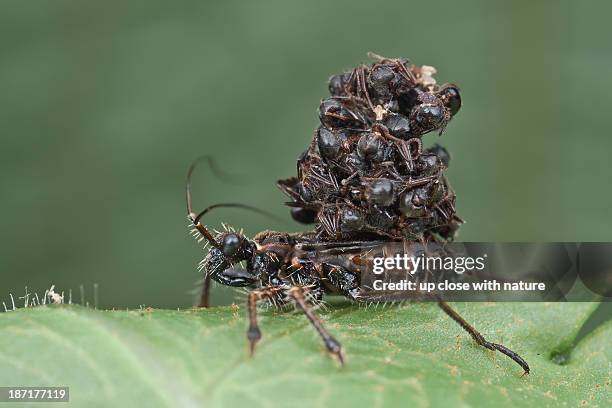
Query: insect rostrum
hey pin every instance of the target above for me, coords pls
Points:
(365, 179)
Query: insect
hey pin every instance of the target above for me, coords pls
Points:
(299, 269)
(365, 179)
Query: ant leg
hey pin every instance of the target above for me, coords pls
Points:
(253, 332)
(364, 86)
(205, 292)
(479, 338)
(297, 293)
(290, 187)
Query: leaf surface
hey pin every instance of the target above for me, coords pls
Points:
(396, 356)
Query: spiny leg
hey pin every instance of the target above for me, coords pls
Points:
(298, 294)
(479, 338)
(205, 292)
(253, 332)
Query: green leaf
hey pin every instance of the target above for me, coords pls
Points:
(411, 355)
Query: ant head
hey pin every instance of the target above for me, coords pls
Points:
(429, 113)
(449, 94)
(338, 83)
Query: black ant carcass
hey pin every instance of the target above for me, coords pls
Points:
(365, 180)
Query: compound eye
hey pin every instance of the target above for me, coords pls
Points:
(230, 244)
(452, 99)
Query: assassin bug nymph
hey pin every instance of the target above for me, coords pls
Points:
(283, 269)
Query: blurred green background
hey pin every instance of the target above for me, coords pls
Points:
(104, 105)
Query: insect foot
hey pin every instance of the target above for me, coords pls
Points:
(297, 294)
(479, 338)
(253, 335)
(334, 348)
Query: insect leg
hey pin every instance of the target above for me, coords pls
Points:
(253, 332)
(479, 338)
(363, 85)
(205, 292)
(290, 187)
(217, 267)
(344, 280)
(297, 293)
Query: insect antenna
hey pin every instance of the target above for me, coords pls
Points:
(196, 217)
